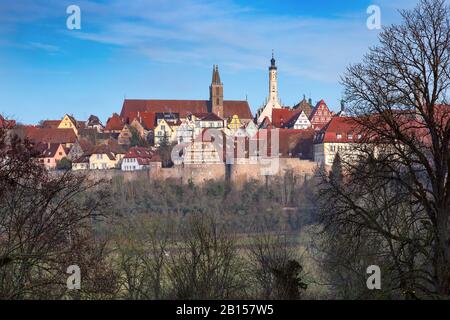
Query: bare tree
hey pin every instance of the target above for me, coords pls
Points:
(142, 248)
(274, 267)
(397, 183)
(45, 225)
(204, 263)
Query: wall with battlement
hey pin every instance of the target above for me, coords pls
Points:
(199, 173)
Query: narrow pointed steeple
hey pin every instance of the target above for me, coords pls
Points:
(216, 76)
(216, 93)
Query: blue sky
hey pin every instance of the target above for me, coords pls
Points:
(165, 49)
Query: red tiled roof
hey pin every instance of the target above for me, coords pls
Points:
(147, 119)
(291, 143)
(185, 107)
(296, 143)
(239, 108)
(51, 124)
(50, 135)
(50, 151)
(85, 145)
(114, 123)
(348, 129)
(143, 155)
(291, 122)
(139, 152)
(339, 130)
(281, 117)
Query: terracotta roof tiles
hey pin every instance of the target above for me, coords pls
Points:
(50, 135)
(185, 107)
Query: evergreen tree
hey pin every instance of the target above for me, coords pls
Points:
(64, 164)
(336, 175)
(165, 150)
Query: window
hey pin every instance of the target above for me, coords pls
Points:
(350, 136)
(338, 136)
(359, 136)
(60, 153)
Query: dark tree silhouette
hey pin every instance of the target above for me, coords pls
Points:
(397, 184)
(45, 226)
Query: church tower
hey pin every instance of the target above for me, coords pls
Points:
(273, 82)
(216, 93)
(273, 101)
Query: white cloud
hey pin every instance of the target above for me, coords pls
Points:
(46, 47)
(202, 32)
(220, 31)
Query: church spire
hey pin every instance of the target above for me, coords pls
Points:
(215, 76)
(216, 93)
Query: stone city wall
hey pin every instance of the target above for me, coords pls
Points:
(199, 173)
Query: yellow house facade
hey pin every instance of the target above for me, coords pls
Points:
(235, 123)
(103, 161)
(165, 129)
(326, 152)
(68, 122)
